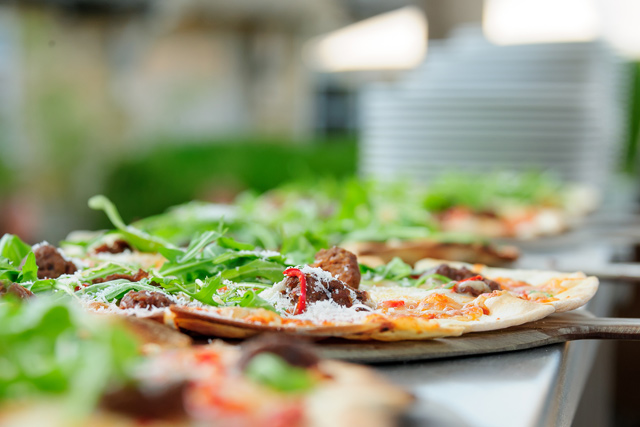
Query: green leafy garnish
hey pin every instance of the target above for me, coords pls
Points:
(29, 272)
(137, 238)
(274, 372)
(53, 348)
(13, 249)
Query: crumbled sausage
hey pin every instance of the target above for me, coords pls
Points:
(15, 289)
(462, 273)
(141, 403)
(319, 290)
(342, 265)
(116, 247)
(144, 299)
(472, 287)
(51, 263)
(141, 274)
(294, 351)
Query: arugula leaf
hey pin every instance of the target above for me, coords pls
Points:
(14, 249)
(53, 348)
(209, 290)
(8, 271)
(257, 268)
(440, 278)
(274, 372)
(228, 242)
(115, 289)
(137, 238)
(104, 270)
(396, 269)
(197, 245)
(29, 272)
(251, 299)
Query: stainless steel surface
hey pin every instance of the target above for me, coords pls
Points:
(501, 390)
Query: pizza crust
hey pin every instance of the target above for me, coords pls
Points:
(411, 251)
(504, 310)
(357, 396)
(230, 322)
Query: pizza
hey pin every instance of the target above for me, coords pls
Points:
(437, 299)
(219, 287)
(105, 378)
(507, 205)
(371, 219)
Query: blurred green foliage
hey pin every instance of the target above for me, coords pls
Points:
(176, 173)
(6, 178)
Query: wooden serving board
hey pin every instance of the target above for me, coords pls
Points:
(554, 329)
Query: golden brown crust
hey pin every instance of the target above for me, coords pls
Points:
(412, 251)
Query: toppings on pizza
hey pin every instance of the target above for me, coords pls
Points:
(301, 305)
(342, 265)
(116, 247)
(161, 402)
(108, 379)
(51, 263)
(320, 285)
(294, 352)
(144, 299)
(218, 286)
(474, 286)
(138, 276)
(468, 281)
(14, 289)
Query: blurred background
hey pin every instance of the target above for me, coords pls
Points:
(158, 102)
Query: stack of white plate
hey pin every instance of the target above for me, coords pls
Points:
(473, 106)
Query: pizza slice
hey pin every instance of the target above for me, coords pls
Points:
(507, 205)
(90, 371)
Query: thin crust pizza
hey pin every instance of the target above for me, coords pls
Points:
(91, 371)
(219, 287)
(454, 298)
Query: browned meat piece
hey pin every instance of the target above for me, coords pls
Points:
(141, 274)
(321, 290)
(51, 264)
(144, 299)
(341, 263)
(475, 289)
(160, 403)
(294, 351)
(15, 289)
(459, 274)
(116, 247)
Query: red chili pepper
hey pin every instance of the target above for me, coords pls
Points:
(478, 277)
(302, 301)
